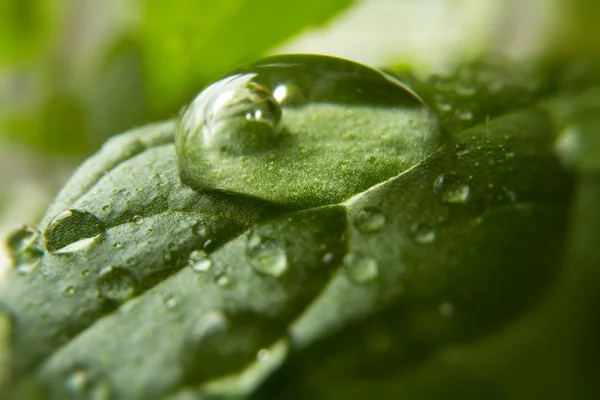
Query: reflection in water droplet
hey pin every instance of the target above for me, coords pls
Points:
(450, 188)
(361, 268)
(199, 261)
(369, 220)
(423, 233)
(72, 230)
(116, 284)
(446, 309)
(137, 219)
(266, 256)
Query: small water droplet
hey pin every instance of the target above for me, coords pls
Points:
(223, 280)
(117, 245)
(78, 381)
(327, 258)
(361, 268)
(105, 207)
(369, 220)
(137, 219)
(462, 149)
(464, 91)
(444, 107)
(211, 323)
(200, 229)
(199, 261)
(465, 115)
(263, 355)
(70, 290)
(423, 233)
(446, 309)
(72, 230)
(266, 256)
(450, 188)
(23, 250)
(169, 301)
(116, 284)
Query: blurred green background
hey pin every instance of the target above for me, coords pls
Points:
(75, 72)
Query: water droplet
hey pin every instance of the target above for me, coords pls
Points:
(283, 106)
(72, 230)
(369, 220)
(423, 233)
(137, 219)
(78, 381)
(211, 323)
(200, 229)
(462, 149)
(116, 284)
(446, 309)
(361, 268)
(266, 256)
(223, 280)
(170, 301)
(450, 188)
(70, 290)
(263, 355)
(444, 107)
(117, 245)
(464, 91)
(23, 250)
(464, 115)
(327, 258)
(199, 261)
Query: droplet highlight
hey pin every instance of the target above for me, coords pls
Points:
(423, 233)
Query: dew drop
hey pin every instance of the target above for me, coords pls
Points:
(77, 381)
(169, 301)
(327, 258)
(116, 284)
(137, 219)
(423, 233)
(450, 188)
(211, 323)
(263, 355)
(464, 115)
(361, 268)
(223, 280)
(23, 250)
(199, 261)
(72, 230)
(266, 256)
(369, 220)
(446, 309)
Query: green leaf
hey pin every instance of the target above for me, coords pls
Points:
(134, 285)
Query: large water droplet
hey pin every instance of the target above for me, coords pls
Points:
(369, 220)
(295, 109)
(361, 268)
(72, 230)
(450, 188)
(266, 256)
(116, 284)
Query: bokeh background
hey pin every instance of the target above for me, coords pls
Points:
(75, 72)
